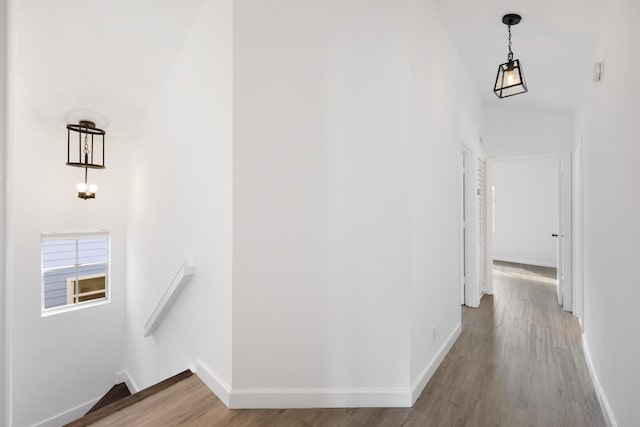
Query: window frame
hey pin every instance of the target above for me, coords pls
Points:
(75, 235)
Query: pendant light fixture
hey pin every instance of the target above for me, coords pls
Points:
(89, 153)
(510, 80)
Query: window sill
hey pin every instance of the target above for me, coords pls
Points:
(74, 307)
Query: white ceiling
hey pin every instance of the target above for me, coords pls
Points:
(555, 42)
(107, 60)
(102, 60)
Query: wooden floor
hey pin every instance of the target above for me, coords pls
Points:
(518, 362)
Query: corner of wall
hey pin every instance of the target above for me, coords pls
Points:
(125, 377)
(418, 385)
(216, 384)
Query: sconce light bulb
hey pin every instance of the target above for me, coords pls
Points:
(82, 187)
(93, 188)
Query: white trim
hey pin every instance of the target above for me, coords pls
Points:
(470, 243)
(8, 102)
(75, 235)
(525, 262)
(74, 307)
(602, 397)
(425, 376)
(68, 415)
(365, 397)
(281, 398)
(554, 155)
(169, 297)
(125, 377)
(489, 229)
(216, 384)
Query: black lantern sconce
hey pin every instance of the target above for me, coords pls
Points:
(89, 153)
(510, 80)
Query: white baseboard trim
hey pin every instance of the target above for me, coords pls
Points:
(68, 415)
(602, 397)
(125, 377)
(365, 397)
(280, 398)
(526, 262)
(423, 379)
(216, 384)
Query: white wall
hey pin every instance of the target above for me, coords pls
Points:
(179, 208)
(346, 196)
(509, 132)
(609, 123)
(4, 383)
(321, 226)
(445, 114)
(67, 359)
(526, 211)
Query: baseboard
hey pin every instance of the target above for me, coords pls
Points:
(125, 377)
(423, 379)
(216, 384)
(68, 416)
(280, 398)
(602, 397)
(525, 262)
(366, 397)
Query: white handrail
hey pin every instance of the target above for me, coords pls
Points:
(170, 295)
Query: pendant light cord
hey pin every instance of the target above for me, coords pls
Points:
(510, 56)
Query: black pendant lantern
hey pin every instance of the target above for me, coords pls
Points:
(88, 154)
(510, 80)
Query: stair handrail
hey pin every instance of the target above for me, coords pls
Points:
(169, 297)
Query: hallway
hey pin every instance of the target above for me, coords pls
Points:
(518, 362)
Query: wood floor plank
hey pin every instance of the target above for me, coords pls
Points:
(518, 362)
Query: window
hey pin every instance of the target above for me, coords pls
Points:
(75, 269)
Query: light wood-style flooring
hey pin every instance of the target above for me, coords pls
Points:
(518, 362)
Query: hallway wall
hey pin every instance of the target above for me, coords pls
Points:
(526, 211)
(347, 142)
(445, 113)
(321, 235)
(608, 122)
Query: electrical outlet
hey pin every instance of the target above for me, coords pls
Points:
(434, 334)
(598, 70)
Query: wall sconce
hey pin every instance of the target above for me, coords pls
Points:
(89, 153)
(510, 79)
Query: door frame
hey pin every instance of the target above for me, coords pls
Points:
(565, 231)
(578, 232)
(471, 283)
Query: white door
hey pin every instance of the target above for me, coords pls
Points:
(559, 235)
(463, 235)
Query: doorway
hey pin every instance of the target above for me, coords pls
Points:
(531, 216)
